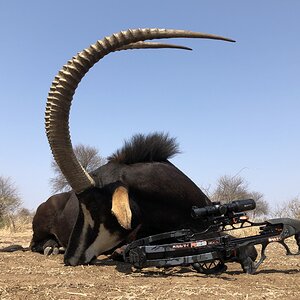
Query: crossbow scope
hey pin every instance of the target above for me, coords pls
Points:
(218, 209)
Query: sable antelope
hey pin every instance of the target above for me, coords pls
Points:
(138, 192)
(55, 218)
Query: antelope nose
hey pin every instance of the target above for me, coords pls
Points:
(71, 261)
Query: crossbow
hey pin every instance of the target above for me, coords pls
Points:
(208, 251)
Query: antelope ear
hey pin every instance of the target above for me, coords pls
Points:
(121, 208)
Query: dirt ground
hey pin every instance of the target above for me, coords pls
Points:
(26, 275)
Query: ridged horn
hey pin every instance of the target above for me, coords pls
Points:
(66, 81)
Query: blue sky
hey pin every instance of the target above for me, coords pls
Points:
(231, 106)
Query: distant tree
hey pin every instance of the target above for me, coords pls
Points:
(290, 209)
(23, 217)
(294, 207)
(24, 213)
(262, 206)
(89, 158)
(207, 190)
(230, 188)
(10, 200)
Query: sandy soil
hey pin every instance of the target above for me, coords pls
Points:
(26, 275)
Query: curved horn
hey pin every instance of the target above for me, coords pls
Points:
(65, 83)
(152, 45)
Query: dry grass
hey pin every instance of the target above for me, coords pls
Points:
(245, 231)
(26, 275)
(16, 224)
(9, 236)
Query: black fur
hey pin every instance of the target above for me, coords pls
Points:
(54, 221)
(55, 218)
(146, 148)
(161, 197)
